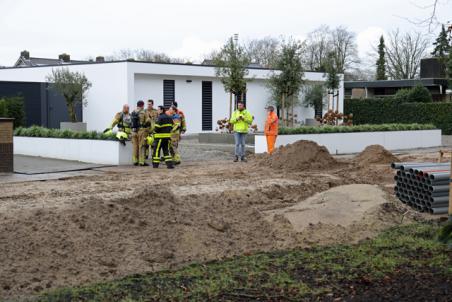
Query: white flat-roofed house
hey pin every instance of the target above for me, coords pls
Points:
(197, 90)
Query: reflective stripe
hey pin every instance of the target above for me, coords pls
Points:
(162, 135)
(164, 125)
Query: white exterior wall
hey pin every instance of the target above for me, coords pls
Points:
(114, 84)
(106, 96)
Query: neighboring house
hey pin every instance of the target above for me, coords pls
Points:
(26, 61)
(431, 76)
(198, 91)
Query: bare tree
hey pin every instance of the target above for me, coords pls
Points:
(323, 42)
(263, 51)
(431, 20)
(143, 55)
(404, 53)
(345, 50)
(318, 46)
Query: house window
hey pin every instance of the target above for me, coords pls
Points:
(169, 95)
(207, 106)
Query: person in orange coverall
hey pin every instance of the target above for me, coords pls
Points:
(271, 129)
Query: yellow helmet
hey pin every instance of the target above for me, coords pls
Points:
(121, 135)
(150, 140)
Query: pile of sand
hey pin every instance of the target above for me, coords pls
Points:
(300, 155)
(375, 154)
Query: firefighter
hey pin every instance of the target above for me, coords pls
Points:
(153, 114)
(140, 123)
(162, 139)
(175, 136)
(177, 133)
(182, 117)
(123, 121)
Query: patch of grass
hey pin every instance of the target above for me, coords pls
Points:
(284, 275)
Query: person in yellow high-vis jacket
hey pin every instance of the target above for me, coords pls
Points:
(241, 120)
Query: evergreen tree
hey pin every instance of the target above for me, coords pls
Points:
(441, 44)
(381, 62)
(449, 69)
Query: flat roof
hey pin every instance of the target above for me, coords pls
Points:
(135, 61)
(394, 83)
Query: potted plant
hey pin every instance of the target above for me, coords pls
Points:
(73, 86)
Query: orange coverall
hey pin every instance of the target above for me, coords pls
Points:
(271, 131)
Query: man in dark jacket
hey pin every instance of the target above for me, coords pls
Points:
(162, 139)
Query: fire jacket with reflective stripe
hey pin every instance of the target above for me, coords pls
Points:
(163, 126)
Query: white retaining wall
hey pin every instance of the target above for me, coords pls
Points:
(343, 143)
(84, 150)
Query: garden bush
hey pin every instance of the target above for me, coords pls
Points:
(355, 128)
(387, 110)
(13, 107)
(37, 131)
(417, 94)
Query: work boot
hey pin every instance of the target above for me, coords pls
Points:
(236, 159)
(170, 165)
(144, 164)
(243, 159)
(135, 164)
(155, 165)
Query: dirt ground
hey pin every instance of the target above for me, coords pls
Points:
(129, 220)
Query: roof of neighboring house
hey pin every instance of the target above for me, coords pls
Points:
(31, 62)
(394, 83)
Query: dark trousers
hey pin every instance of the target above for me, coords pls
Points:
(162, 144)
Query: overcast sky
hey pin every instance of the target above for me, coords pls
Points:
(188, 28)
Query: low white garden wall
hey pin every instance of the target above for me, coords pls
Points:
(84, 150)
(343, 143)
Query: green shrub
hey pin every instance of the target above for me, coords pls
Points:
(402, 95)
(388, 111)
(3, 112)
(419, 94)
(355, 128)
(13, 107)
(37, 131)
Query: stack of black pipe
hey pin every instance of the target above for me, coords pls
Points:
(423, 186)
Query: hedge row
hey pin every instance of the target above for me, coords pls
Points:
(36, 131)
(13, 107)
(355, 128)
(387, 110)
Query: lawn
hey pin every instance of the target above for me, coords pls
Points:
(405, 263)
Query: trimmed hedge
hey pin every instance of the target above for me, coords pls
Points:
(13, 107)
(37, 131)
(383, 111)
(355, 128)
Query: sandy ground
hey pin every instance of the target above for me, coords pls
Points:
(127, 220)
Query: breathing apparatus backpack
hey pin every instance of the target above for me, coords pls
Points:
(135, 121)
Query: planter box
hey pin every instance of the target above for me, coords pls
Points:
(223, 138)
(80, 127)
(354, 142)
(91, 151)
